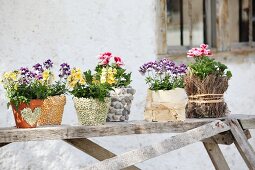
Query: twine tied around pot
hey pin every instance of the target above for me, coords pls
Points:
(206, 98)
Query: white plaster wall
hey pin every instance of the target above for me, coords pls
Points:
(76, 31)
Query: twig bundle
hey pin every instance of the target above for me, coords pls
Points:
(206, 96)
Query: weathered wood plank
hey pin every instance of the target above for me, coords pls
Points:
(94, 150)
(247, 121)
(242, 143)
(250, 22)
(161, 27)
(13, 134)
(226, 138)
(222, 26)
(167, 145)
(215, 154)
(109, 129)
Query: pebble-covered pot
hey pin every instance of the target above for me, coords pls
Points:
(121, 101)
(91, 111)
(52, 110)
(27, 115)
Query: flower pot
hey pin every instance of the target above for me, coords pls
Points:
(165, 105)
(121, 101)
(52, 110)
(27, 115)
(91, 111)
(206, 96)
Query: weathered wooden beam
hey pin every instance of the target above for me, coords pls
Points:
(8, 135)
(246, 121)
(94, 150)
(109, 129)
(215, 154)
(161, 27)
(190, 18)
(242, 143)
(167, 145)
(250, 22)
(222, 25)
(226, 138)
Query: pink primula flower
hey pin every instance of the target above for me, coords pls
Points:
(105, 58)
(118, 61)
(199, 52)
(204, 46)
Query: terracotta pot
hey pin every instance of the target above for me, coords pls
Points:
(90, 111)
(26, 115)
(52, 110)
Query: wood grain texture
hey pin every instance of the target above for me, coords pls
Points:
(94, 150)
(161, 27)
(215, 154)
(242, 143)
(226, 138)
(167, 145)
(13, 134)
(222, 25)
(121, 128)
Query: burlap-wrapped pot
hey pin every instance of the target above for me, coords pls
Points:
(121, 101)
(52, 110)
(91, 111)
(165, 105)
(206, 96)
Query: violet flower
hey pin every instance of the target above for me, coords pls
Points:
(48, 64)
(38, 67)
(65, 70)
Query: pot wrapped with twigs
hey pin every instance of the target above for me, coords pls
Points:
(205, 84)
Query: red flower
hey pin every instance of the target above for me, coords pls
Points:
(118, 61)
(105, 58)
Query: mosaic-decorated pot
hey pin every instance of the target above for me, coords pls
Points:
(52, 110)
(91, 111)
(121, 101)
(27, 115)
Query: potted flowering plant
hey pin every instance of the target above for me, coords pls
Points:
(53, 106)
(205, 84)
(113, 73)
(91, 96)
(26, 91)
(166, 98)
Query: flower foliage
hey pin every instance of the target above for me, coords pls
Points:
(204, 65)
(111, 71)
(25, 84)
(86, 84)
(163, 74)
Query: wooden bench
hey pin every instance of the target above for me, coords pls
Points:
(232, 129)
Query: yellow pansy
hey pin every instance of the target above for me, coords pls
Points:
(46, 75)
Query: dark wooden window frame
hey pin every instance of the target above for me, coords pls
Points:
(217, 34)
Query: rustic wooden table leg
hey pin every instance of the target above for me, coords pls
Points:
(215, 154)
(94, 150)
(242, 143)
(148, 152)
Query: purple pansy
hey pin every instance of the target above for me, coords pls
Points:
(38, 67)
(65, 70)
(48, 64)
